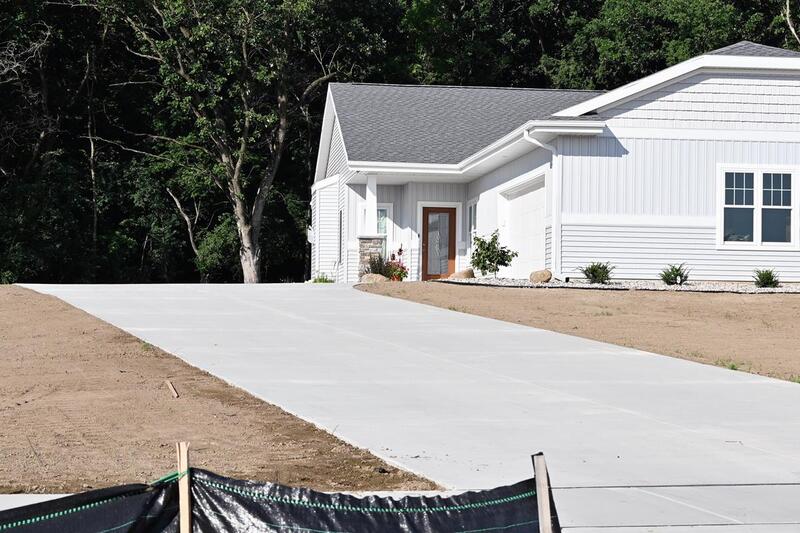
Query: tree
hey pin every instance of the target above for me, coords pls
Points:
(787, 11)
(234, 75)
(488, 255)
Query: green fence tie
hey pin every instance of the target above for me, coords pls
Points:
(169, 478)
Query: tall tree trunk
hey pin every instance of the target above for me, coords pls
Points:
(249, 255)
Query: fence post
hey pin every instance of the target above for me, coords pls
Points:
(542, 492)
(184, 494)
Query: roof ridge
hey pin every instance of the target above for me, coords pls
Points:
(744, 44)
(434, 86)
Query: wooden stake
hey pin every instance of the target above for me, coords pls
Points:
(172, 388)
(184, 495)
(542, 493)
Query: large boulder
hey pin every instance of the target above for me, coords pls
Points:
(541, 276)
(463, 274)
(373, 278)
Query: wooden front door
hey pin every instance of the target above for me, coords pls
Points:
(438, 242)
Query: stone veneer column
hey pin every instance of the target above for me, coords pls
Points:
(368, 247)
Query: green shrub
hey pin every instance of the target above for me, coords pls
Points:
(766, 279)
(378, 265)
(7, 277)
(675, 274)
(488, 255)
(597, 272)
(322, 278)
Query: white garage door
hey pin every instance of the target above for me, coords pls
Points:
(525, 229)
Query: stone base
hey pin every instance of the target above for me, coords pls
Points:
(368, 247)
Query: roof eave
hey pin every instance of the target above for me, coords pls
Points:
(485, 155)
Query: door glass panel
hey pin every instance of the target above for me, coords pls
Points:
(438, 242)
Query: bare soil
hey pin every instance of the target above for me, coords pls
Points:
(85, 405)
(757, 333)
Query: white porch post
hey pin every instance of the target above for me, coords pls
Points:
(371, 221)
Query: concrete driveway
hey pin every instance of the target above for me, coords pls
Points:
(465, 400)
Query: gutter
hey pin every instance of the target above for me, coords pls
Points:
(555, 179)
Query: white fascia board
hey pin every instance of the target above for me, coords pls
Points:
(327, 182)
(575, 127)
(325, 137)
(674, 72)
(569, 127)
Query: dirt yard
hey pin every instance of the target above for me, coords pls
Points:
(85, 405)
(757, 333)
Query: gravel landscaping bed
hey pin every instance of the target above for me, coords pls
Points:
(641, 285)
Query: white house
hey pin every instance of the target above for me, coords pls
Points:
(698, 163)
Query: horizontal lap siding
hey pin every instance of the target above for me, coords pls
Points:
(326, 229)
(642, 252)
(715, 100)
(337, 156)
(548, 247)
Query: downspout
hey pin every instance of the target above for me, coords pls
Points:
(555, 171)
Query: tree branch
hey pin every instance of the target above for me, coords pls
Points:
(188, 220)
(789, 22)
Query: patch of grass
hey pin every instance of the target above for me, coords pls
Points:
(730, 364)
(766, 279)
(604, 312)
(675, 274)
(322, 278)
(794, 379)
(147, 346)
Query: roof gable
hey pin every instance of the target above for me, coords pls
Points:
(436, 124)
(742, 56)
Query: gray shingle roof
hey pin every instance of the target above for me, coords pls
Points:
(435, 123)
(747, 48)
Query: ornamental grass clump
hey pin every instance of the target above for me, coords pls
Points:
(675, 274)
(766, 279)
(597, 272)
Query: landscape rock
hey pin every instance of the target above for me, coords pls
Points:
(373, 278)
(541, 276)
(463, 274)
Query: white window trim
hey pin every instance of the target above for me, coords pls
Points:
(391, 226)
(758, 197)
(469, 234)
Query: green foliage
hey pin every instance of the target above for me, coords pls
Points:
(57, 224)
(488, 255)
(597, 272)
(397, 271)
(675, 274)
(766, 279)
(218, 252)
(322, 278)
(631, 39)
(377, 265)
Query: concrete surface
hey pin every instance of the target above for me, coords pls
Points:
(10, 501)
(465, 400)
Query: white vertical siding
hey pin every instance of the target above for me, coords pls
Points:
(718, 101)
(655, 177)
